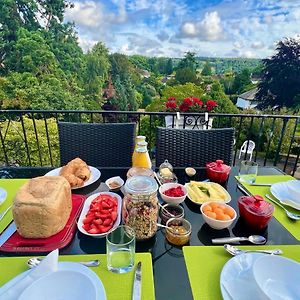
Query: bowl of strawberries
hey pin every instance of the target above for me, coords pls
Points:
(101, 214)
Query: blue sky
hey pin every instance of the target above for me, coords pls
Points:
(215, 28)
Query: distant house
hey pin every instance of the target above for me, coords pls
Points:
(167, 78)
(208, 88)
(145, 74)
(255, 79)
(247, 100)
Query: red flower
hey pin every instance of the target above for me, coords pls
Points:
(210, 105)
(188, 101)
(171, 104)
(190, 104)
(184, 107)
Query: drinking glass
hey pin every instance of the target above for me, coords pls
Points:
(120, 249)
(248, 171)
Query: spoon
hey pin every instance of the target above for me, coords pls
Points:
(166, 210)
(175, 230)
(254, 239)
(236, 251)
(34, 262)
(156, 177)
(288, 213)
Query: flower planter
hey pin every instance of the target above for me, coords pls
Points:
(191, 122)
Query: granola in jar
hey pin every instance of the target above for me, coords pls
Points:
(140, 208)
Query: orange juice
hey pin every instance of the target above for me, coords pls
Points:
(141, 156)
(139, 138)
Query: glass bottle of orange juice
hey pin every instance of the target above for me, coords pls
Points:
(141, 157)
(139, 138)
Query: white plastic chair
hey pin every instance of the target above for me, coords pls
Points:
(249, 147)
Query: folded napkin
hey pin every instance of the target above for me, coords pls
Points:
(13, 291)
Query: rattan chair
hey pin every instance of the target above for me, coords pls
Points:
(186, 147)
(99, 145)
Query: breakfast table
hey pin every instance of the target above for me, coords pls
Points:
(189, 272)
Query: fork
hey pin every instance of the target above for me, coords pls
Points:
(5, 212)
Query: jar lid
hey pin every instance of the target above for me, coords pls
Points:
(166, 165)
(141, 185)
(256, 205)
(218, 166)
(139, 171)
(141, 137)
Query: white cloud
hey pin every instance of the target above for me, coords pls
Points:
(89, 14)
(208, 29)
(257, 45)
(170, 28)
(163, 36)
(211, 28)
(238, 45)
(189, 29)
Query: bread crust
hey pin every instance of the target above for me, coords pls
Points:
(42, 206)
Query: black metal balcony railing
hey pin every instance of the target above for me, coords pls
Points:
(30, 138)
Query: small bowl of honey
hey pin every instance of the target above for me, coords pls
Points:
(179, 231)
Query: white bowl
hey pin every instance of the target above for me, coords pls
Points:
(86, 208)
(277, 277)
(3, 195)
(67, 285)
(217, 224)
(170, 185)
(116, 179)
(294, 189)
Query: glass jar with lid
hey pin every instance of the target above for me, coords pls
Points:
(140, 208)
(165, 173)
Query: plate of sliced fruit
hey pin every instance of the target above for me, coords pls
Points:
(101, 214)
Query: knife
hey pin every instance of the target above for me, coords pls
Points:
(7, 233)
(261, 184)
(137, 288)
(243, 190)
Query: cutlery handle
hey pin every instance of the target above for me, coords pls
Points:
(274, 251)
(5, 212)
(229, 240)
(89, 263)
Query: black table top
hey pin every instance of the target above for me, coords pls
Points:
(170, 275)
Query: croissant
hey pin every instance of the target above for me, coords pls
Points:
(76, 172)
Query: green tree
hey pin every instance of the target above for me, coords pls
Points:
(32, 54)
(28, 14)
(169, 67)
(26, 91)
(16, 147)
(125, 96)
(280, 83)
(62, 41)
(185, 75)
(241, 80)
(96, 73)
(225, 105)
(206, 71)
(189, 61)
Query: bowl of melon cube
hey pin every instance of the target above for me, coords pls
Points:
(218, 215)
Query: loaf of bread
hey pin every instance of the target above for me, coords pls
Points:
(42, 206)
